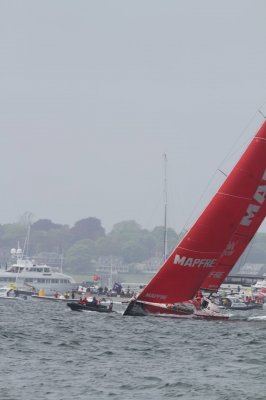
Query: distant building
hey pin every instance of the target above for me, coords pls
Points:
(150, 266)
(252, 269)
(111, 265)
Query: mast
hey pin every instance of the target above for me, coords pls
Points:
(26, 243)
(110, 283)
(61, 263)
(165, 209)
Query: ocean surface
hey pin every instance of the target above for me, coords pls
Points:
(48, 352)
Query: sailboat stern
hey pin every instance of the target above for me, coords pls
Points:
(135, 309)
(139, 308)
(208, 310)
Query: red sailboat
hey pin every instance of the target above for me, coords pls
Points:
(212, 246)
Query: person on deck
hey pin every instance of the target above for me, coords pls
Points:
(94, 301)
(198, 299)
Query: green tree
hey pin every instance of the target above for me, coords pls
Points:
(52, 240)
(45, 225)
(172, 240)
(79, 257)
(88, 228)
(12, 234)
(127, 226)
(109, 245)
(132, 243)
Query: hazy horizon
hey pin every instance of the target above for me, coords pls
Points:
(94, 93)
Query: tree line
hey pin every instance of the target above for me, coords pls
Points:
(83, 244)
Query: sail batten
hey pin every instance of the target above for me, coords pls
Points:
(231, 195)
(209, 250)
(196, 251)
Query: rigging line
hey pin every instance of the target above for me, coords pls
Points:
(199, 200)
(235, 144)
(261, 107)
(165, 208)
(222, 162)
(264, 116)
(222, 172)
(242, 260)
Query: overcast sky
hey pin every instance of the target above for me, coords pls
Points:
(92, 93)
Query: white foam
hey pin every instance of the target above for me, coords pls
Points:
(258, 318)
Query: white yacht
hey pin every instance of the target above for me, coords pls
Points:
(25, 273)
(260, 284)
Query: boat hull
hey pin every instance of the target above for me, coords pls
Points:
(12, 298)
(137, 309)
(89, 307)
(244, 308)
(52, 298)
(7, 293)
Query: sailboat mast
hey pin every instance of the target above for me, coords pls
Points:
(165, 208)
(25, 251)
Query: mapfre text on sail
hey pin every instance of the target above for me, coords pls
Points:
(194, 262)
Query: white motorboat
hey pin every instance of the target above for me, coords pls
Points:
(261, 284)
(25, 273)
(8, 293)
(234, 303)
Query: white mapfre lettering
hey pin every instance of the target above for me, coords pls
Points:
(253, 209)
(216, 274)
(156, 296)
(230, 249)
(194, 262)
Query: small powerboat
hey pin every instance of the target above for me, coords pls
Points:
(91, 306)
(233, 303)
(7, 293)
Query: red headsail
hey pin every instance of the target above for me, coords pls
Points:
(212, 246)
(255, 171)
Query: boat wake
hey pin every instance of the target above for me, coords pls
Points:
(257, 318)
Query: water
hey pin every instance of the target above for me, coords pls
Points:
(48, 352)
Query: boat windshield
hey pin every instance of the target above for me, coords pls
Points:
(15, 269)
(234, 300)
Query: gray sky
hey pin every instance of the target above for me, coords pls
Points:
(92, 93)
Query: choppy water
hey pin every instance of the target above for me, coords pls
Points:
(48, 352)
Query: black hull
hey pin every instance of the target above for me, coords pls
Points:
(135, 309)
(248, 307)
(139, 309)
(19, 292)
(89, 307)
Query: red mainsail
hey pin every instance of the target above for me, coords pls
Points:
(215, 242)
